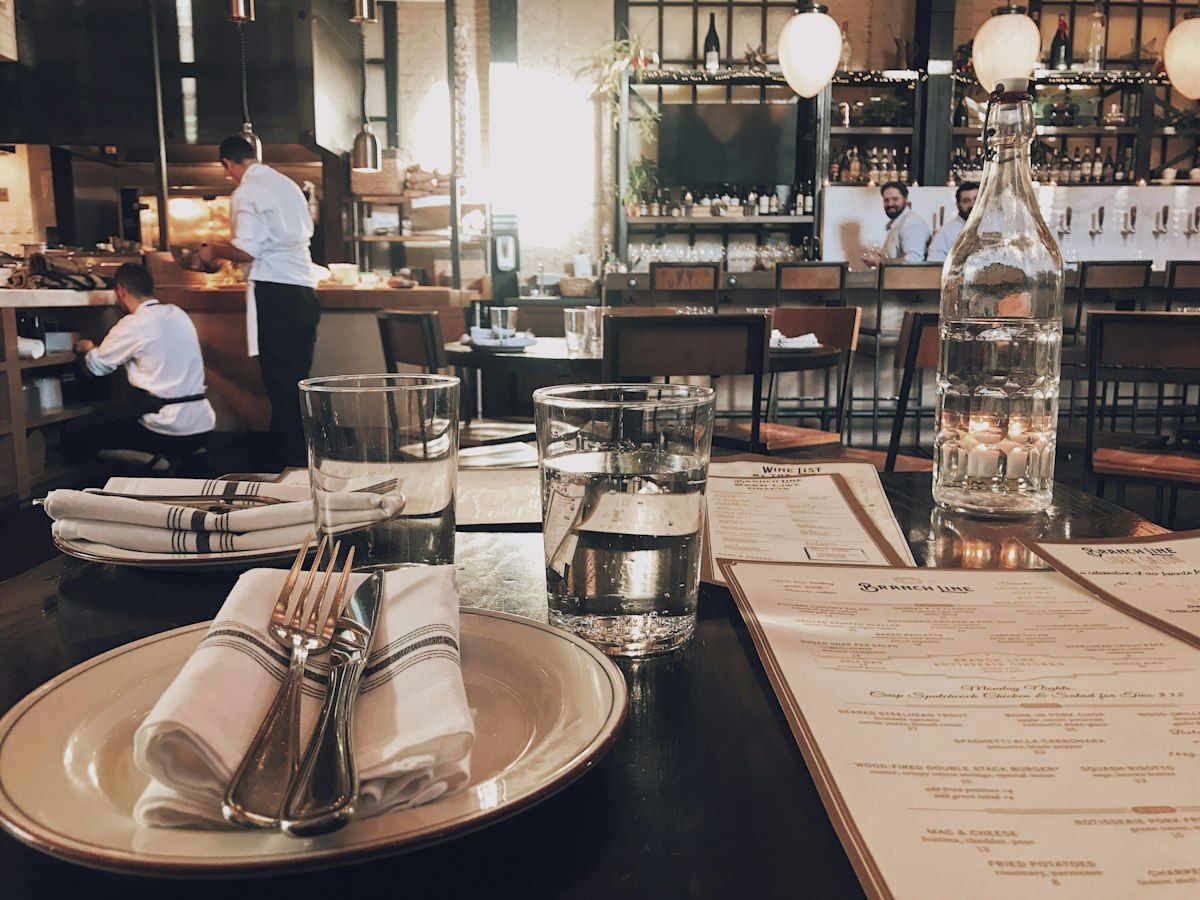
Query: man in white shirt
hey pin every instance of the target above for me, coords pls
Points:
(907, 233)
(272, 228)
(964, 199)
(157, 346)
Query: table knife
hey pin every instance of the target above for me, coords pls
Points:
(324, 793)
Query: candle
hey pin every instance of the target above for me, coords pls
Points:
(983, 462)
(983, 458)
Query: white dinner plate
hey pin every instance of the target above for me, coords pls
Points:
(547, 706)
(230, 561)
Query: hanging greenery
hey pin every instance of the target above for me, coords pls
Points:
(643, 180)
(606, 68)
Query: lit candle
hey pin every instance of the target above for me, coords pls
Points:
(983, 459)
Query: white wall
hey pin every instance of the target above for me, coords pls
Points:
(854, 219)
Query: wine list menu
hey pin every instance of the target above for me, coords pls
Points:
(985, 733)
(1155, 577)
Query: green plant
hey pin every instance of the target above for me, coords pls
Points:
(606, 68)
(643, 180)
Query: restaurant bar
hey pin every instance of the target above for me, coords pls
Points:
(637, 448)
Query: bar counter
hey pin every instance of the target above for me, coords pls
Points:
(347, 338)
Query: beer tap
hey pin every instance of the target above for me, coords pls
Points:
(1097, 228)
(1064, 223)
(1193, 226)
(1130, 222)
(1160, 221)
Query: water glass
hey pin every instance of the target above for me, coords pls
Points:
(383, 462)
(582, 327)
(504, 321)
(623, 471)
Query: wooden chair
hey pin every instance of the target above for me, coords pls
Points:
(1140, 347)
(685, 284)
(837, 331)
(812, 283)
(918, 280)
(642, 347)
(1183, 283)
(418, 338)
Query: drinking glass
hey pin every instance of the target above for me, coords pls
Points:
(623, 470)
(382, 460)
(582, 327)
(504, 321)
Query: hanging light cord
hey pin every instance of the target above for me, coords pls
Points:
(242, 48)
(362, 38)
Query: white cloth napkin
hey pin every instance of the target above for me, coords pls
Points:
(412, 726)
(800, 342)
(158, 527)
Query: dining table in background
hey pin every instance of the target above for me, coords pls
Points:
(704, 793)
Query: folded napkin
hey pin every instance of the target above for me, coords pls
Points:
(486, 337)
(158, 527)
(800, 342)
(412, 726)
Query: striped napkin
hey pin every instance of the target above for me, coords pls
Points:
(151, 526)
(412, 726)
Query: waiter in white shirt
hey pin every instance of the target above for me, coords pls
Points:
(272, 228)
(157, 345)
(907, 233)
(964, 199)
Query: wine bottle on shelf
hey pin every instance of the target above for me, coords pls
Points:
(894, 168)
(1119, 170)
(809, 199)
(805, 249)
(904, 166)
(772, 204)
(1097, 168)
(1097, 37)
(1107, 170)
(1130, 174)
(1085, 172)
(655, 208)
(1077, 168)
(1060, 46)
(816, 248)
(835, 170)
(1055, 173)
(873, 168)
(764, 201)
(854, 170)
(712, 46)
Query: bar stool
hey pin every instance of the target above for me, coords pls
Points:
(685, 284)
(813, 283)
(915, 279)
(416, 338)
(644, 347)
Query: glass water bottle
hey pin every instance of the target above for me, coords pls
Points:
(1001, 336)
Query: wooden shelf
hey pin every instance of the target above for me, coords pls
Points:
(50, 359)
(74, 411)
(882, 130)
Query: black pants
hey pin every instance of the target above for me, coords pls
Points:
(127, 434)
(287, 332)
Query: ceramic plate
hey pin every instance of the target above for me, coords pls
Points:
(547, 706)
(233, 561)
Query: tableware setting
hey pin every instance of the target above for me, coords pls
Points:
(170, 523)
(489, 339)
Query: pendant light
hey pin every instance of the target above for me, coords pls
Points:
(241, 12)
(1181, 56)
(810, 48)
(366, 155)
(1006, 48)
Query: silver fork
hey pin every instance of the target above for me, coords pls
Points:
(259, 786)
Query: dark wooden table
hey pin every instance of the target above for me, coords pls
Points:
(704, 794)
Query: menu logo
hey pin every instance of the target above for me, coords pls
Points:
(1165, 552)
(869, 588)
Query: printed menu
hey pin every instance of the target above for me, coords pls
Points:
(802, 518)
(985, 733)
(1156, 577)
(863, 479)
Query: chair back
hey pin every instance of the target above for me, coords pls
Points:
(1120, 282)
(684, 283)
(895, 276)
(835, 327)
(411, 338)
(1138, 347)
(824, 282)
(1182, 275)
(916, 349)
(637, 347)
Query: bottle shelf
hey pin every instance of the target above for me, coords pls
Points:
(652, 222)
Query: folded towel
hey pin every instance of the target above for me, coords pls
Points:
(412, 726)
(206, 487)
(800, 342)
(168, 540)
